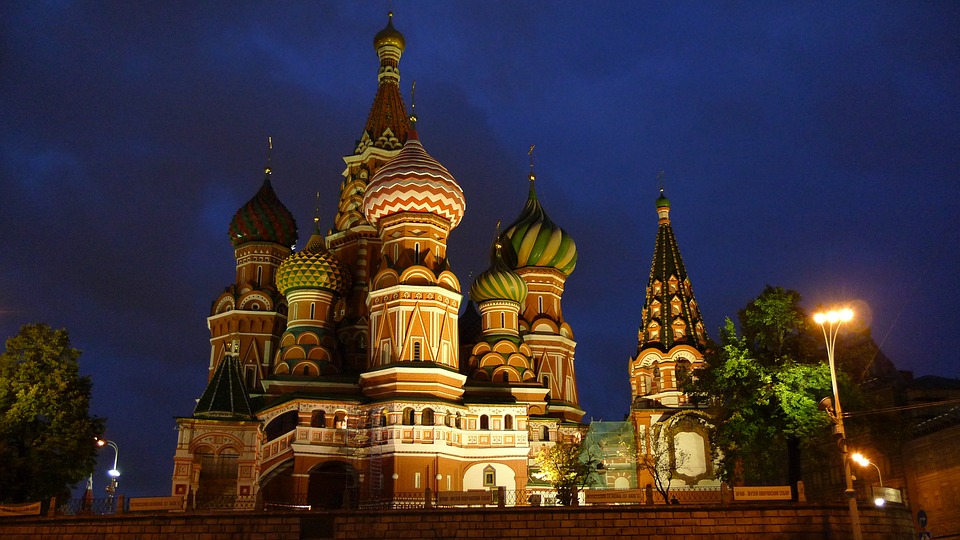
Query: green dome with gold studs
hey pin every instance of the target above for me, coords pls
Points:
(313, 267)
(538, 241)
(498, 282)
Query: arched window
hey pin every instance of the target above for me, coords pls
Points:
(545, 433)
(416, 253)
(508, 422)
(459, 422)
(340, 420)
(408, 416)
(383, 418)
(484, 422)
(546, 384)
(313, 310)
(655, 385)
(426, 417)
(416, 351)
(505, 377)
(318, 418)
(259, 275)
(503, 321)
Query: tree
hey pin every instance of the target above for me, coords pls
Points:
(47, 437)
(660, 458)
(568, 468)
(763, 388)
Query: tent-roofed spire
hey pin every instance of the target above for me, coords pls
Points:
(225, 396)
(671, 315)
(387, 125)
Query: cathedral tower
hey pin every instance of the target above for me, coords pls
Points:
(414, 203)
(353, 240)
(543, 254)
(671, 343)
(252, 310)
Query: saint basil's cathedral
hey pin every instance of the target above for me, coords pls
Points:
(355, 370)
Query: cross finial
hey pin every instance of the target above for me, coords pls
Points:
(316, 215)
(660, 180)
(497, 243)
(413, 103)
(530, 153)
(268, 169)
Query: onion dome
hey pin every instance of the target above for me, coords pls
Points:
(413, 182)
(389, 36)
(538, 241)
(263, 219)
(498, 282)
(313, 267)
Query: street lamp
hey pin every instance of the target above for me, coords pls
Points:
(863, 462)
(113, 473)
(830, 323)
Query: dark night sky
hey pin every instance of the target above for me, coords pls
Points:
(811, 145)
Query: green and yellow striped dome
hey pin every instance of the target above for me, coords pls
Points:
(538, 241)
(498, 282)
(313, 267)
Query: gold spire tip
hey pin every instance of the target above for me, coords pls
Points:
(530, 153)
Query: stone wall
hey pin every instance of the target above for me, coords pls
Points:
(585, 523)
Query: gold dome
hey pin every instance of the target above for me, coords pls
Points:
(389, 36)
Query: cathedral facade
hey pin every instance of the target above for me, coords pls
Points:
(355, 369)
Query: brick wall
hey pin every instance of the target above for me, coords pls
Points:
(587, 523)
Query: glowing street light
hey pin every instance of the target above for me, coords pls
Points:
(863, 462)
(113, 473)
(830, 322)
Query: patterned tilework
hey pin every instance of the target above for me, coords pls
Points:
(538, 241)
(313, 267)
(263, 219)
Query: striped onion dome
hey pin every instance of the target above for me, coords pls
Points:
(498, 282)
(313, 267)
(263, 219)
(413, 182)
(538, 241)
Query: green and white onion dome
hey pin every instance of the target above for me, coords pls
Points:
(538, 241)
(498, 282)
(313, 267)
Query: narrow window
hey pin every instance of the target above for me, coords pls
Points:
(426, 417)
(313, 310)
(489, 476)
(505, 377)
(251, 376)
(259, 275)
(416, 351)
(459, 422)
(503, 321)
(416, 480)
(306, 370)
(508, 422)
(416, 253)
(540, 304)
(484, 422)
(318, 419)
(408, 416)
(545, 433)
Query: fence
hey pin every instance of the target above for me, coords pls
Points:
(397, 501)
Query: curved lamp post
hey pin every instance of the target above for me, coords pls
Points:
(114, 473)
(830, 322)
(863, 462)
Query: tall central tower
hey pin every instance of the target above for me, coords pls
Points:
(414, 203)
(354, 240)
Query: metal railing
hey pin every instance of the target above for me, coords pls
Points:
(397, 501)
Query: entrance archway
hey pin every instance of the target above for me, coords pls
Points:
(333, 484)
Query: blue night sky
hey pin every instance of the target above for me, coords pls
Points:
(809, 145)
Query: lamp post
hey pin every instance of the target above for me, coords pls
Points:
(830, 323)
(863, 462)
(113, 473)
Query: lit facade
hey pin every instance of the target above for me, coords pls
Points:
(343, 373)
